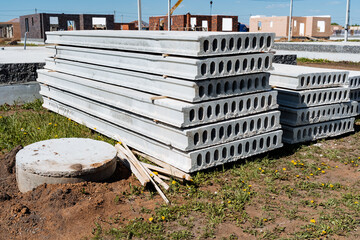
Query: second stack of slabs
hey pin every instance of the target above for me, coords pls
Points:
(354, 85)
(314, 102)
(191, 99)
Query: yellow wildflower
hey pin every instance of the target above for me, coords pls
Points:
(156, 173)
(38, 128)
(1, 117)
(312, 201)
(336, 166)
(323, 232)
(265, 220)
(262, 171)
(173, 182)
(163, 217)
(55, 124)
(244, 189)
(322, 171)
(151, 219)
(356, 202)
(50, 123)
(250, 186)
(229, 202)
(284, 169)
(331, 185)
(319, 169)
(297, 176)
(118, 142)
(312, 221)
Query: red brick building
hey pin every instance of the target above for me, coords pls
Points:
(124, 26)
(10, 30)
(188, 22)
(37, 24)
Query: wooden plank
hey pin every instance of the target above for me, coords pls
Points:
(143, 180)
(172, 171)
(160, 170)
(164, 177)
(139, 166)
(156, 178)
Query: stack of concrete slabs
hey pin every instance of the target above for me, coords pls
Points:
(314, 102)
(354, 84)
(189, 106)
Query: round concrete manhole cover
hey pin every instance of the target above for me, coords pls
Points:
(65, 160)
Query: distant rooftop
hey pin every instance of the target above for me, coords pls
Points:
(261, 16)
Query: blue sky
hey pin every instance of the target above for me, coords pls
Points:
(127, 9)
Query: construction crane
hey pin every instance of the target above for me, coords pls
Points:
(171, 12)
(175, 6)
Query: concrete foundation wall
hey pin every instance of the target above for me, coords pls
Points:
(11, 73)
(326, 47)
(285, 59)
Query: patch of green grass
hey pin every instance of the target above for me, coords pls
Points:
(255, 195)
(19, 127)
(321, 61)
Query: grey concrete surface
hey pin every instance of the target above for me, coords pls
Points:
(312, 98)
(19, 93)
(302, 78)
(316, 131)
(354, 79)
(19, 55)
(182, 139)
(186, 161)
(351, 57)
(179, 67)
(173, 112)
(355, 94)
(305, 116)
(164, 42)
(65, 160)
(190, 91)
(328, 47)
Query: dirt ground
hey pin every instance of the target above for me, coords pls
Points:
(67, 211)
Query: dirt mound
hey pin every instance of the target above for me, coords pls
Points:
(67, 211)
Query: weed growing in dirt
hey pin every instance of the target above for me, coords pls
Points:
(302, 191)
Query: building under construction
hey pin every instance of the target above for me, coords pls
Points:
(190, 22)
